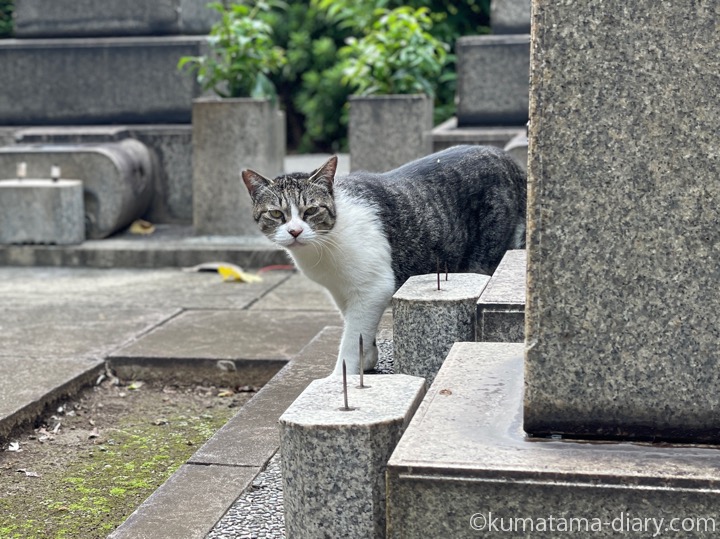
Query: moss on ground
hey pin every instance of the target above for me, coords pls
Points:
(88, 494)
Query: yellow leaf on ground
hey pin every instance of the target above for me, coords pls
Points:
(233, 273)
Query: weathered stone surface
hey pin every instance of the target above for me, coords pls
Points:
(116, 177)
(623, 223)
(464, 462)
(387, 131)
(510, 16)
(501, 307)
(428, 321)
(209, 490)
(230, 135)
(97, 80)
(492, 85)
(77, 18)
(42, 211)
(333, 460)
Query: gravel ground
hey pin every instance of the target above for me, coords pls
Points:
(258, 512)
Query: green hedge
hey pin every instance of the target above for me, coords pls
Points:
(6, 21)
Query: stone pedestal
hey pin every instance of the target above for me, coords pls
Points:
(230, 135)
(41, 211)
(465, 469)
(428, 321)
(333, 460)
(501, 307)
(117, 177)
(387, 131)
(623, 235)
(492, 84)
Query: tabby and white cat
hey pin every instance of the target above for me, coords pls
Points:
(362, 235)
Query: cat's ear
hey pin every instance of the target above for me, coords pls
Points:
(253, 180)
(326, 173)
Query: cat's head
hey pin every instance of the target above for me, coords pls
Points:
(294, 209)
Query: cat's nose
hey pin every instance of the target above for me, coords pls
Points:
(295, 232)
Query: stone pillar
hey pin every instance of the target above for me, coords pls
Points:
(623, 335)
(230, 135)
(387, 131)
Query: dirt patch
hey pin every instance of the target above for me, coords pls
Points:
(85, 467)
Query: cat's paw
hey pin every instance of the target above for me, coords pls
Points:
(352, 362)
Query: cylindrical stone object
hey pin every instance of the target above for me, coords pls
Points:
(334, 460)
(428, 321)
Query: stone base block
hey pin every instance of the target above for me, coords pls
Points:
(230, 135)
(501, 307)
(464, 468)
(448, 134)
(493, 80)
(97, 80)
(510, 16)
(75, 18)
(41, 211)
(117, 177)
(170, 147)
(333, 460)
(387, 131)
(428, 321)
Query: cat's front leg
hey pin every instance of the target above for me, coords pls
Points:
(361, 320)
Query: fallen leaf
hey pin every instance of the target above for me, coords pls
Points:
(14, 446)
(135, 385)
(231, 272)
(226, 393)
(142, 227)
(57, 428)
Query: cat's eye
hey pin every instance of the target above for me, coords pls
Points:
(312, 210)
(275, 214)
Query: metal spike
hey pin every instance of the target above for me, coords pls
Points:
(345, 394)
(446, 271)
(362, 362)
(438, 272)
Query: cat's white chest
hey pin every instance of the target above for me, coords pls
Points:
(353, 259)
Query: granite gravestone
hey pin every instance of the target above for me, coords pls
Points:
(623, 335)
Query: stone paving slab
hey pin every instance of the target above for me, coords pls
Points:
(29, 383)
(215, 334)
(184, 505)
(118, 288)
(297, 293)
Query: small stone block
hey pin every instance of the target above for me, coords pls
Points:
(387, 131)
(428, 321)
(510, 16)
(333, 460)
(493, 79)
(501, 307)
(42, 211)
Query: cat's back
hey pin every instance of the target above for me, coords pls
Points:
(462, 205)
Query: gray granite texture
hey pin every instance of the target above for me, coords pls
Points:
(97, 80)
(117, 177)
(623, 332)
(428, 321)
(333, 460)
(76, 18)
(387, 131)
(510, 16)
(42, 211)
(501, 307)
(492, 84)
(465, 468)
(230, 135)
